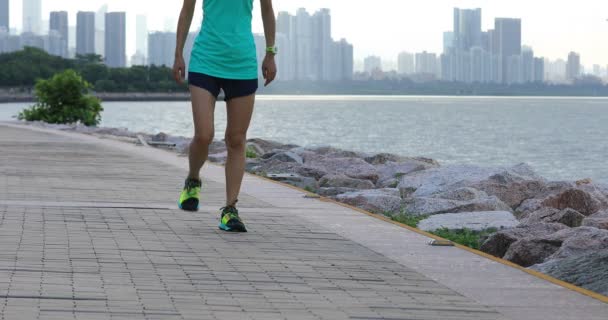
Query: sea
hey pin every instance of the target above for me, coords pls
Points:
(561, 138)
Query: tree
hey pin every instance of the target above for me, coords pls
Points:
(64, 98)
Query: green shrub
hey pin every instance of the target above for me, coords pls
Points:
(250, 153)
(409, 219)
(465, 237)
(64, 99)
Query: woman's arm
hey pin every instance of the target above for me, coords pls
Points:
(269, 68)
(183, 27)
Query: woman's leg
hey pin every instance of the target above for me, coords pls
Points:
(239, 112)
(203, 107)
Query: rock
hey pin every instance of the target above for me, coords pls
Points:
(389, 171)
(455, 201)
(160, 137)
(295, 180)
(476, 221)
(334, 191)
(512, 185)
(287, 156)
(217, 147)
(382, 158)
(382, 201)
(597, 220)
(311, 172)
(530, 251)
(262, 146)
(351, 167)
(577, 199)
(341, 180)
(569, 217)
(218, 157)
(331, 152)
(578, 241)
(589, 271)
(498, 243)
(275, 166)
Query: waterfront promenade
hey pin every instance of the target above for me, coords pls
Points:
(90, 229)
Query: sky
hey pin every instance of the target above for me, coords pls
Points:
(387, 27)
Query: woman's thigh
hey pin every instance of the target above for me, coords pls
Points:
(240, 111)
(203, 108)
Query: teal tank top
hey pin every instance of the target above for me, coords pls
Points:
(225, 47)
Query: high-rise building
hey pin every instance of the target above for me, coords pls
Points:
(405, 63)
(539, 70)
(85, 32)
(100, 27)
(527, 64)
(161, 47)
(507, 34)
(448, 42)
(304, 46)
(32, 16)
(372, 64)
(426, 63)
(59, 23)
(322, 45)
(115, 39)
(141, 35)
(286, 26)
(573, 68)
(467, 28)
(4, 16)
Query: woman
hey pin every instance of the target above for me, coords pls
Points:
(223, 57)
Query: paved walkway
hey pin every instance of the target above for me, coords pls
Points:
(89, 230)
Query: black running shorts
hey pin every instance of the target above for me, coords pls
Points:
(232, 88)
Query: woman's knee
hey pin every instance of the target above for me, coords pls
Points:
(203, 139)
(236, 140)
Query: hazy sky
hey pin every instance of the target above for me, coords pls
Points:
(386, 27)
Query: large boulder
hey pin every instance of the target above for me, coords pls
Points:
(565, 243)
(597, 220)
(284, 156)
(511, 185)
(589, 270)
(382, 201)
(352, 167)
(577, 199)
(578, 241)
(569, 217)
(455, 201)
(476, 221)
(390, 172)
(261, 146)
(498, 243)
(295, 180)
(340, 180)
(275, 166)
(334, 191)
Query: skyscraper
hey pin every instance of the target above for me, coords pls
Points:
(141, 34)
(322, 44)
(507, 34)
(4, 16)
(573, 68)
(405, 63)
(304, 45)
(527, 64)
(161, 47)
(426, 63)
(59, 23)
(32, 16)
(467, 28)
(286, 26)
(115, 39)
(85, 32)
(448, 42)
(100, 27)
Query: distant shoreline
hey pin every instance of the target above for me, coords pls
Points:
(185, 96)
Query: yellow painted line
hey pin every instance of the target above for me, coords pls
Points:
(537, 274)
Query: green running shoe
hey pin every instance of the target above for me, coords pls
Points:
(189, 199)
(230, 220)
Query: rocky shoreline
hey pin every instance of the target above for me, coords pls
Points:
(556, 227)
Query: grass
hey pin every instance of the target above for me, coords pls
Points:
(465, 237)
(250, 153)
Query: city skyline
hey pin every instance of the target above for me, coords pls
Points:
(546, 33)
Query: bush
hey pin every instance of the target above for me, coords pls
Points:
(64, 99)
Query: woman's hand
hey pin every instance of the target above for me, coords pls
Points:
(179, 69)
(269, 68)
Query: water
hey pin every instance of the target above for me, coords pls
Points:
(562, 138)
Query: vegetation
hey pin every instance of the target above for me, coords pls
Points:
(64, 98)
(465, 237)
(23, 68)
(250, 153)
